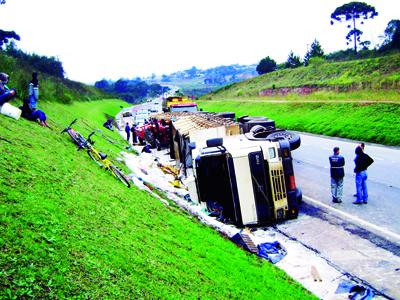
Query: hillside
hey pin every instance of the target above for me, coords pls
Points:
(197, 82)
(379, 75)
(357, 99)
(68, 229)
(53, 89)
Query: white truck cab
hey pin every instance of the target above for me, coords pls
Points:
(250, 181)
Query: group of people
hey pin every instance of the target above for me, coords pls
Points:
(29, 108)
(131, 129)
(362, 161)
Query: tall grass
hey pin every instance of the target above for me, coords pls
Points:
(52, 89)
(372, 122)
(70, 230)
(381, 73)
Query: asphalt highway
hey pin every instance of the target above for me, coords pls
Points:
(382, 213)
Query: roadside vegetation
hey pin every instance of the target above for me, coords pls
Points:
(369, 122)
(357, 99)
(379, 77)
(53, 86)
(70, 230)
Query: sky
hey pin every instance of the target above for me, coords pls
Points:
(99, 39)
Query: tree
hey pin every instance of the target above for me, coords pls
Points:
(392, 36)
(5, 36)
(102, 84)
(266, 65)
(315, 51)
(350, 12)
(192, 72)
(293, 61)
(165, 78)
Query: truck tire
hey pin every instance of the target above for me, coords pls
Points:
(215, 142)
(246, 119)
(240, 119)
(257, 129)
(267, 123)
(293, 138)
(227, 115)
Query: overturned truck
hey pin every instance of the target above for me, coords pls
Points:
(247, 182)
(244, 177)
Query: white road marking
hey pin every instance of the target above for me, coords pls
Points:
(377, 229)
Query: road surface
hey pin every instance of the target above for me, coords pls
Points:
(312, 175)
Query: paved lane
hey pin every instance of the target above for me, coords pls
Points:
(312, 174)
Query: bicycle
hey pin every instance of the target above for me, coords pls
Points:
(98, 157)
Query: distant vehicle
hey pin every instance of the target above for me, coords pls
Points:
(140, 117)
(127, 114)
(178, 103)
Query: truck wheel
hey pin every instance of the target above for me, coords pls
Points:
(267, 123)
(240, 119)
(293, 138)
(246, 119)
(227, 115)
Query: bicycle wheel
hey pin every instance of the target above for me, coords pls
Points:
(95, 158)
(120, 176)
(74, 136)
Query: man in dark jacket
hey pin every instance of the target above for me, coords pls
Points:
(337, 173)
(362, 162)
(128, 131)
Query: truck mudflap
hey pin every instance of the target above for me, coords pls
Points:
(294, 201)
(294, 194)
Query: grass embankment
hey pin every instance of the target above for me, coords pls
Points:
(365, 79)
(374, 122)
(51, 88)
(376, 80)
(69, 229)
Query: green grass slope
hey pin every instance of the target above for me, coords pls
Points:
(378, 76)
(52, 89)
(357, 99)
(70, 230)
(369, 122)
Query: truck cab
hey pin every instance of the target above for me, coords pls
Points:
(179, 103)
(251, 182)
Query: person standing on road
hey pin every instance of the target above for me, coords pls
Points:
(362, 145)
(362, 162)
(128, 131)
(134, 135)
(337, 173)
